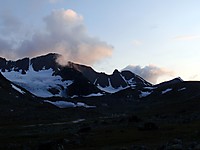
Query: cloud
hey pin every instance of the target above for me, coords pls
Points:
(186, 37)
(66, 34)
(4, 46)
(150, 73)
(137, 42)
(9, 24)
(194, 77)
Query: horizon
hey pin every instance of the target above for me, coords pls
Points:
(158, 40)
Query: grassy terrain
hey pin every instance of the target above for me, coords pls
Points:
(103, 133)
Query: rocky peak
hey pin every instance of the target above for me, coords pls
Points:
(45, 62)
(21, 64)
(170, 82)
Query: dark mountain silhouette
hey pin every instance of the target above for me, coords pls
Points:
(85, 80)
(116, 80)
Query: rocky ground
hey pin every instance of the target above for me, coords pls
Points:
(117, 132)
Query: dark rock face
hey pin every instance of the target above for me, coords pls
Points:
(102, 80)
(21, 64)
(80, 86)
(128, 75)
(85, 70)
(45, 62)
(116, 80)
(2, 64)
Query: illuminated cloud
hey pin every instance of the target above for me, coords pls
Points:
(150, 73)
(66, 34)
(186, 37)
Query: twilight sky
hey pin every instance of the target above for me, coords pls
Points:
(157, 39)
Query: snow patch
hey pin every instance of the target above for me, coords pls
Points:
(131, 82)
(94, 94)
(166, 91)
(18, 89)
(61, 104)
(79, 120)
(74, 96)
(95, 81)
(182, 89)
(144, 94)
(110, 88)
(150, 88)
(80, 104)
(90, 95)
(65, 104)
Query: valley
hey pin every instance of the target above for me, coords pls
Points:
(48, 106)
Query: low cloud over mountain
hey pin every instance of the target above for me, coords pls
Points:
(64, 32)
(150, 73)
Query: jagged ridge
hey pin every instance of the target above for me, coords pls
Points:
(70, 80)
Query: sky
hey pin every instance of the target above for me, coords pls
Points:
(157, 39)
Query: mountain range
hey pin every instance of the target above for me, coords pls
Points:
(44, 77)
(43, 104)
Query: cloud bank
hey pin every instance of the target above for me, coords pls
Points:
(64, 33)
(150, 73)
(186, 37)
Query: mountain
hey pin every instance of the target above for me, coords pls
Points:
(170, 82)
(44, 77)
(175, 89)
(110, 83)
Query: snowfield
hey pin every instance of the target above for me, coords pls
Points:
(39, 82)
(18, 89)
